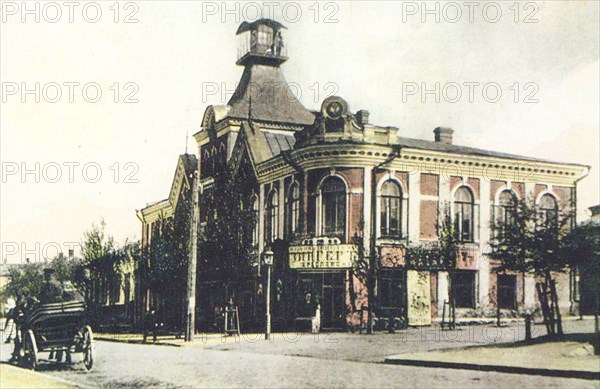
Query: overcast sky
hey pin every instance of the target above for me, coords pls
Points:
(177, 54)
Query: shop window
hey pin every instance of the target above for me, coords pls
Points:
(462, 289)
(507, 291)
(391, 210)
(333, 197)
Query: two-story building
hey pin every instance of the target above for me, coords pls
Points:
(332, 190)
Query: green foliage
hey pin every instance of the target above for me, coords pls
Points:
(582, 248)
(168, 257)
(24, 282)
(435, 255)
(532, 240)
(226, 241)
(63, 268)
(102, 263)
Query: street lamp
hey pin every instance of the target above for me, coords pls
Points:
(267, 258)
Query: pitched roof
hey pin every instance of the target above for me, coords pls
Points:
(264, 144)
(271, 98)
(457, 149)
(186, 165)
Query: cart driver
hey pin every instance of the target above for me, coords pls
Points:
(51, 291)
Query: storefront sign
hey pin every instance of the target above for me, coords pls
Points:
(336, 256)
(419, 300)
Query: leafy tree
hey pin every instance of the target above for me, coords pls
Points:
(582, 249)
(101, 264)
(435, 255)
(532, 240)
(226, 241)
(63, 268)
(24, 282)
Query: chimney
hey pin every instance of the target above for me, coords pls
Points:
(443, 135)
(71, 254)
(362, 116)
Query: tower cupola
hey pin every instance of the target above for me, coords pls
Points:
(261, 42)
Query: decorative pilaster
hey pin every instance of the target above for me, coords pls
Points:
(485, 211)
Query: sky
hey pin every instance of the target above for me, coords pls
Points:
(122, 88)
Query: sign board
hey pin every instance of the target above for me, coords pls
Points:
(336, 256)
(419, 298)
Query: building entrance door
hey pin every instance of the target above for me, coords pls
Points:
(326, 289)
(332, 304)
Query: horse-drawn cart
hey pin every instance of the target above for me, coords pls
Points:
(57, 328)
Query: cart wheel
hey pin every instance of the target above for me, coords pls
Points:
(32, 351)
(88, 348)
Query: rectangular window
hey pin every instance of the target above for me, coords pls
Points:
(462, 288)
(507, 291)
(391, 288)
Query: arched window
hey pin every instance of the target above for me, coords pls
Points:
(293, 208)
(463, 214)
(272, 217)
(548, 208)
(333, 198)
(254, 208)
(391, 210)
(507, 207)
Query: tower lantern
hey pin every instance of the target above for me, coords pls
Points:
(261, 42)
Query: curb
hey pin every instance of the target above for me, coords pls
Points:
(138, 342)
(43, 376)
(587, 375)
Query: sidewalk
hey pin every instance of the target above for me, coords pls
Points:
(572, 358)
(12, 377)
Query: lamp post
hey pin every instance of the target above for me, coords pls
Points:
(268, 262)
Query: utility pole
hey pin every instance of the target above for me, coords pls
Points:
(192, 260)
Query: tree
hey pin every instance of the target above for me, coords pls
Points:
(532, 240)
(167, 270)
(24, 282)
(582, 250)
(63, 268)
(439, 255)
(101, 264)
(226, 242)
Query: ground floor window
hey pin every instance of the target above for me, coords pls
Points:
(391, 288)
(507, 291)
(463, 289)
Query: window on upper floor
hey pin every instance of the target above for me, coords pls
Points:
(506, 210)
(464, 212)
(272, 217)
(254, 208)
(548, 208)
(333, 205)
(293, 208)
(390, 222)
